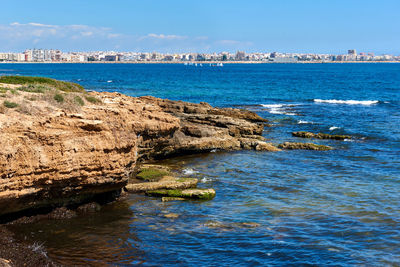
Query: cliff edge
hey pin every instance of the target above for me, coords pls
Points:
(62, 145)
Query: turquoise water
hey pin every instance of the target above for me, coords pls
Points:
(338, 207)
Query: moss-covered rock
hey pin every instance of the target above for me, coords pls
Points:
(306, 146)
(151, 174)
(166, 182)
(204, 194)
(303, 134)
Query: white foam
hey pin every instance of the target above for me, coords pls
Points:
(333, 128)
(272, 105)
(189, 171)
(347, 102)
(278, 109)
(213, 150)
(205, 180)
(348, 140)
(109, 81)
(304, 122)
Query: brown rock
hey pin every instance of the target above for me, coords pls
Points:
(165, 183)
(57, 155)
(306, 146)
(320, 135)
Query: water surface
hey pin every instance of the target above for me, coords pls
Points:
(338, 207)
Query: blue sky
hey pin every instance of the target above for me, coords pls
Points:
(315, 26)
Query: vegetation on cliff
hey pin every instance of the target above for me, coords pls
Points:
(28, 94)
(43, 82)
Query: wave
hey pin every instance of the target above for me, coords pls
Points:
(304, 122)
(188, 171)
(347, 102)
(333, 128)
(279, 109)
(205, 180)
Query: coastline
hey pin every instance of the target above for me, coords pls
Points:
(205, 62)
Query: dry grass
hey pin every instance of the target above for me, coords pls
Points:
(37, 95)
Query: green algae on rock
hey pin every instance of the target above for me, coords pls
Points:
(303, 134)
(151, 174)
(305, 146)
(167, 182)
(203, 194)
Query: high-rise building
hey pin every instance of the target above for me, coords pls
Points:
(352, 52)
(240, 55)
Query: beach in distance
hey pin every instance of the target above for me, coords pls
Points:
(331, 203)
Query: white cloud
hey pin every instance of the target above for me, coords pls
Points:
(162, 37)
(18, 36)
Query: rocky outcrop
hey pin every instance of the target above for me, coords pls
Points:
(320, 135)
(53, 155)
(305, 146)
(193, 193)
(202, 128)
(167, 182)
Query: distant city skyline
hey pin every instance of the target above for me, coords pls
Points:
(177, 26)
(58, 56)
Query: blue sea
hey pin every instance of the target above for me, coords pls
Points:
(339, 207)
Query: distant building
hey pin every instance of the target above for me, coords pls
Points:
(240, 55)
(352, 52)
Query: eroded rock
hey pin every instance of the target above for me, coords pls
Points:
(56, 156)
(303, 134)
(306, 146)
(203, 194)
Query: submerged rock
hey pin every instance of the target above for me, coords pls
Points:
(230, 226)
(171, 215)
(303, 134)
(166, 183)
(166, 199)
(151, 174)
(204, 194)
(306, 146)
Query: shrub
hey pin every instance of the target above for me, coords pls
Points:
(92, 99)
(8, 104)
(79, 100)
(34, 88)
(3, 90)
(59, 98)
(60, 85)
(14, 92)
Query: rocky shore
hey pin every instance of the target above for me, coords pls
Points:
(56, 154)
(63, 146)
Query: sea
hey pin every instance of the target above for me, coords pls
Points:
(324, 208)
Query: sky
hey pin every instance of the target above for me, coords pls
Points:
(168, 26)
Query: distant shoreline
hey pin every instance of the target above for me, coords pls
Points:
(203, 62)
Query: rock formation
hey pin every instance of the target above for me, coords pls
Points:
(305, 146)
(54, 155)
(320, 135)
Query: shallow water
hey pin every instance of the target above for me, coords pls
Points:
(338, 207)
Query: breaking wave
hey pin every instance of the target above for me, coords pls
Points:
(279, 109)
(189, 171)
(347, 102)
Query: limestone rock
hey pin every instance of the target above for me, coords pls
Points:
(54, 156)
(165, 183)
(306, 146)
(204, 194)
(320, 135)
